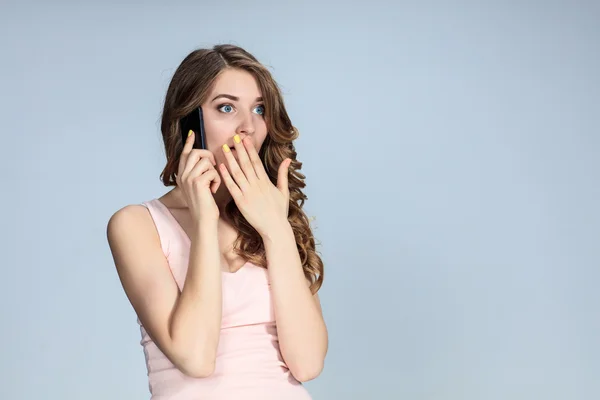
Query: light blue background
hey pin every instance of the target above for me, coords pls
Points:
(452, 159)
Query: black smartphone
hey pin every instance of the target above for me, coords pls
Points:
(195, 122)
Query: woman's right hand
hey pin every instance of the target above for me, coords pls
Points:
(199, 180)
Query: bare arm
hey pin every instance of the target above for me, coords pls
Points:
(301, 329)
(185, 326)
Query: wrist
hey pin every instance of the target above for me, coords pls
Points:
(206, 224)
(278, 231)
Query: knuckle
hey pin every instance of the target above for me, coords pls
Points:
(203, 153)
(195, 153)
(196, 183)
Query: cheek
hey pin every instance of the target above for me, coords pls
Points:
(260, 134)
(216, 135)
(260, 140)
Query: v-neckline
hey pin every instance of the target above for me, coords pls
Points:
(187, 239)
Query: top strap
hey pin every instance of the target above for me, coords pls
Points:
(163, 224)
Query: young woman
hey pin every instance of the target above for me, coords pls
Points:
(222, 270)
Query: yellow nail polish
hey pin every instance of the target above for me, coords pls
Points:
(237, 139)
(226, 148)
(190, 133)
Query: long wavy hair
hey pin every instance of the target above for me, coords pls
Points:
(191, 83)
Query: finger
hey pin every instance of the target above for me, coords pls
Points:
(192, 160)
(201, 153)
(236, 172)
(201, 167)
(244, 159)
(187, 148)
(282, 176)
(208, 154)
(211, 178)
(257, 163)
(216, 182)
(194, 157)
(235, 191)
(205, 169)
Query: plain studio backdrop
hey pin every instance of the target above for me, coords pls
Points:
(452, 156)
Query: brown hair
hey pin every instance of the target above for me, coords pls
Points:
(188, 89)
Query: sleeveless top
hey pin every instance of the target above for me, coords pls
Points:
(249, 364)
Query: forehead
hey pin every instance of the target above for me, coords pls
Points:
(236, 82)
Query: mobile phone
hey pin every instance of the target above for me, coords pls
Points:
(194, 121)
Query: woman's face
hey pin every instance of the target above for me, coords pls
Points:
(234, 106)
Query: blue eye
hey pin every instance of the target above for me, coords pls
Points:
(229, 108)
(262, 109)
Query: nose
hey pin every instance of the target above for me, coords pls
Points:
(245, 126)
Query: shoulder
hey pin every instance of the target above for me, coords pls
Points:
(130, 225)
(127, 217)
(135, 245)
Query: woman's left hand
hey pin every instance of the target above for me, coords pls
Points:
(264, 205)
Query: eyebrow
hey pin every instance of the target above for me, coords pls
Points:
(231, 97)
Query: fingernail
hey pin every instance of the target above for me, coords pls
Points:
(190, 133)
(226, 148)
(237, 139)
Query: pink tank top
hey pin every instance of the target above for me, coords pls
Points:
(249, 363)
